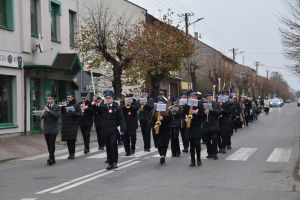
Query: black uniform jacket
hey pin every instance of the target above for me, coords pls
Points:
(70, 122)
(51, 119)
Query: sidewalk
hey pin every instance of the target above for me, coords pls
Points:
(24, 146)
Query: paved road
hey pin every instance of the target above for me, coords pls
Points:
(261, 165)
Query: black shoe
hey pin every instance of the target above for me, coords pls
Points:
(86, 151)
(162, 160)
(209, 156)
(192, 164)
(71, 157)
(106, 161)
(109, 167)
(101, 148)
(127, 154)
(147, 150)
(132, 152)
(223, 151)
(185, 150)
(115, 165)
(229, 147)
(199, 163)
(49, 162)
(120, 143)
(215, 157)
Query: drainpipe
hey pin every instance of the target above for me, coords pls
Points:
(25, 101)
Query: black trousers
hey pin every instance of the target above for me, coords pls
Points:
(99, 137)
(50, 140)
(247, 118)
(129, 137)
(184, 138)
(211, 140)
(175, 140)
(236, 123)
(71, 146)
(111, 143)
(146, 132)
(225, 139)
(86, 134)
(195, 148)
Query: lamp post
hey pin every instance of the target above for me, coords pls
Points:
(90, 68)
(214, 92)
(219, 80)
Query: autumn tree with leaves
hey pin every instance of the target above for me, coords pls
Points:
(158, 48)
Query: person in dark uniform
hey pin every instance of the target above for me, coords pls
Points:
(175, 127)
(130, 110)
(247, 110)
(50, 117)
(112, 118)
(70, 122)
(144, 116)
(226, 125)
(195, 131)
(183, 134)
(96, 105)
(161, 132)
(236, 114)
(212, 127)
(86, 121)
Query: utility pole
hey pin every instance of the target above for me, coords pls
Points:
(257, 64)
(268, 74)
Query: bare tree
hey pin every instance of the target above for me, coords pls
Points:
(103, 38)
(291, 30)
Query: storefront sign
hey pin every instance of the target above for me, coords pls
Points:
(10, 59)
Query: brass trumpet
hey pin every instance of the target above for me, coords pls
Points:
(142, 107)
(157, 124)
(63, 104)
(128, 105)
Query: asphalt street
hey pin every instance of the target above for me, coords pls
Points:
(262, 165)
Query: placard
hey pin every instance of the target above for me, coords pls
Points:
(222, 99)
(207, 106)
(118, 102)
(161, 107)
(193, 102)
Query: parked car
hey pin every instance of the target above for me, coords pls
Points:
(298, 102)
(275, 103)
(282, 102)
(288, 101)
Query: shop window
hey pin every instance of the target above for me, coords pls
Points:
(55, 10)
(72, 27)
(5, 101)
(34, 17)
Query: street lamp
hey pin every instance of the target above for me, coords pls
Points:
(196, 21)
(219, 80)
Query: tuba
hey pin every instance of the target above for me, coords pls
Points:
(157, 124)
(189, 117)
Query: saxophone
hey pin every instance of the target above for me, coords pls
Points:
(142, 107)
(189, 118)
(157, 124)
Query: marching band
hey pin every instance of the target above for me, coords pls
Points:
(212, 118)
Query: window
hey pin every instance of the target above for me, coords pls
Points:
(72, 26)
(6, 14)
(5, 100)
(55, 14)
(34, 17)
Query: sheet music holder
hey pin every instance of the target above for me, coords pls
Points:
(70, 109)
(143, 100)
(193, 102)
(38, 113)
(182, 102)
(207, 106)
(128, 100)
(161, 107)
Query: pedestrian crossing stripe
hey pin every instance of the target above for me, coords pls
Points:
(94, 150)
(242, 154)
(280, 155)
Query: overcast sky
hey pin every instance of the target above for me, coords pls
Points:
(251, 26)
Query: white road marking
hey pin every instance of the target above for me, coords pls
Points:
(45, 155)
(77, 154)
(242, 154)
(203, 154)
(103, 155)
(93, 178)
(80, 178)
(29, 199)
(169, 155)
(141, 153)
(280, 155)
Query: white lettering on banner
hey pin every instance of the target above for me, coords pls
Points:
(10, 59)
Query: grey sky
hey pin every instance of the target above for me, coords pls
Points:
(250, 25)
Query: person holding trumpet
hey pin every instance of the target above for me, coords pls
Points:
(50, 115)
(130, 110)
(175, 127)
(96, 105)
(160, 121)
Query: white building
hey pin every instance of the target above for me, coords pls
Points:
(49, 62)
